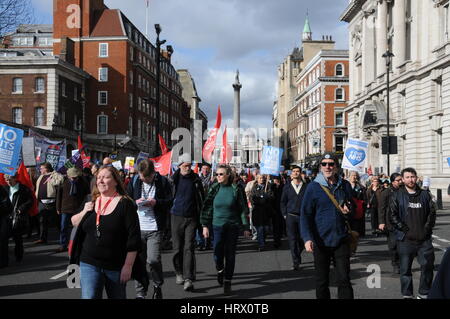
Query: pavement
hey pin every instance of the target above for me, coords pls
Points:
(258, 275)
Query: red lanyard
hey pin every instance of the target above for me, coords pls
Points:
(102, 211)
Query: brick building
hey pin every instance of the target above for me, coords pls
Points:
(317, 122)
(111, 92)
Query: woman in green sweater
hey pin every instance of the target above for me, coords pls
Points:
(226, 207)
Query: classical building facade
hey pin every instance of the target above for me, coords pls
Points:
(417, 33)
(316, 120)
(288, 71)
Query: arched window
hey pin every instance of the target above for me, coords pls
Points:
(339, 94)
(339, 70)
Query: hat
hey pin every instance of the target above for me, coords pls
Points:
(73, 172)
(330, 156)
(185, 158)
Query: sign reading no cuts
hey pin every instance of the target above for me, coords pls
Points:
(271, 160)
(10, 148)
(355, 155)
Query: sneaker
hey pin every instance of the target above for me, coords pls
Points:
(254, 237)
(220, 274)
(140, 295)
(179, 279)
(227, 287)
(188, 286)
(157, 293)
(420, 296)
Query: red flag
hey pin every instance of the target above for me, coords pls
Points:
(163, 163)
(369, 170)
(210, 143)
(196, 169)
(162, 145)
(24, 179)
(225, 153)
(84, 158)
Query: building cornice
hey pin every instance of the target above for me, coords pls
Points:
(352, 9)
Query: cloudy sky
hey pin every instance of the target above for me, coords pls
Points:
(214, 38)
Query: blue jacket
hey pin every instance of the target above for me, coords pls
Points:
(320, 221)
(290, 201)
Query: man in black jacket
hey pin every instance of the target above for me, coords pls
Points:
(384, 219)
(413, 214)
(21, 201)
(5, 226)
(187, 204)
(291, 200)
(153, 195)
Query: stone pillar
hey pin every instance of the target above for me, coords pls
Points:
(381, 30)
(369, 52)
(399, 45)
(237, 110)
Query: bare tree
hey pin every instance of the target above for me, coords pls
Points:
(14, 13)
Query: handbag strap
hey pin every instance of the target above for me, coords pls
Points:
(333, 199)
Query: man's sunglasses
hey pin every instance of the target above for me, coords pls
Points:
(325, 164)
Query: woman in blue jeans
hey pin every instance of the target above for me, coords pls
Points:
(109, 226)
(226, 208)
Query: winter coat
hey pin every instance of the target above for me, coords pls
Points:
(320, 221)
(53, 183)
(66, 203)
(262, 203)
(198, 191)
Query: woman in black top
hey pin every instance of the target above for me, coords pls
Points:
(110, 227)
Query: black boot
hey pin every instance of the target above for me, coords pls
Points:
(157, 293)
(227, 287)
(220, 274)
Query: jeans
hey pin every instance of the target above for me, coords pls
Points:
(393, 251)
(93, 279)
(261, 234)
(322, 259)
(424, 251)
(64, 235)
(225, 241)
(296, 244)
(151, 252)
(183, 237)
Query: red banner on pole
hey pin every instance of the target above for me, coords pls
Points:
(225, 153)
(162, 145)
(163, 163)
(210, 144)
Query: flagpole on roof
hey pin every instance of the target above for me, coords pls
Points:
(146, 20)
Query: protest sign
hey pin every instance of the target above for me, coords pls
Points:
(10, 148)
(129, 162)
(142, 156)
(271, 160)
(117, 165)
(28, 153)
(355, 155)
(53, 152)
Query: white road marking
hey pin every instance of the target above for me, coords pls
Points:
(59, 275)
(441, 239)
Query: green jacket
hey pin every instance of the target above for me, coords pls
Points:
(206, 216)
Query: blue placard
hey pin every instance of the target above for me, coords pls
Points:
(142, 156)
(10, 148)
(448, 160)
(271, 160)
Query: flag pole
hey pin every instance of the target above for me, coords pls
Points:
(146, 20)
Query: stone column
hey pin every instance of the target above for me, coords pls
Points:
(237, 110)
(381, 30)
(399, 45)
(368, 53)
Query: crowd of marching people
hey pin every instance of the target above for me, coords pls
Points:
(115, 224)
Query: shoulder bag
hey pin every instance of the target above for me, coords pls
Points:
(353, 235)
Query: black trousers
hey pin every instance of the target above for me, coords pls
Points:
(322, 260)
(47, 217)
(374, 219)
(277, 226)
(393, 252)
(296, 244)
(183, 238)
(5, 231)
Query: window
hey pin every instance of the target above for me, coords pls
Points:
(130, 126)
(39, 116)
(139, 128)
(17, 85)
(103, 50)
(102, 124)
(45, 42)
(131, 77)
(131, 54)
(39, 85)
(339, 70)
(439, 93)
(76, 123)
(339, 94)
(63, 89)
(339, 143)
(130, 100)
(103, 74)
(17, 115)
(102, 97)
(339, 119)
(75, 93)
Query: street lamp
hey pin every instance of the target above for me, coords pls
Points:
(388, 56)
(114, 113)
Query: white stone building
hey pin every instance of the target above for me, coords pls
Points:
(417, 33)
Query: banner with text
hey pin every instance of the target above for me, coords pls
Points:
(355, 155)
(271, 160)
(10, 147)
(53, 152)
